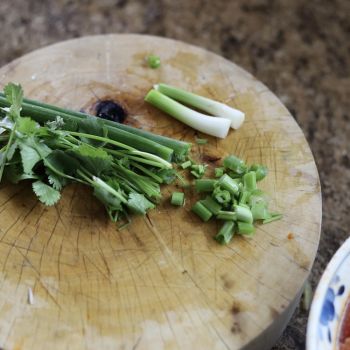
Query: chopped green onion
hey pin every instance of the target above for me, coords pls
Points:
(178, 199)
(222, 196)
(229, 184)
(259, 211)
(205, 104)
(233, 163)
(226, 232)
(186, 164)
(201, 141)
(211, 205)
(218, 127)
(260, 171)
(202, 211)
(226, 215)
(219, 171)
(198, 170)
(273, 218)
(153, 61)
(244, 197)
(245, 228)
(205, 185)
(244, 214)
(249, 180)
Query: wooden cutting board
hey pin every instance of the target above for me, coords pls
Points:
(162, 283)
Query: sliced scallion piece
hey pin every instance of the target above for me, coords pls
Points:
(226, 215)
(226, 232)
(178, 199)
(245, 228)
(211, 205)
(202, 211)
(205, 185)
(244, 214)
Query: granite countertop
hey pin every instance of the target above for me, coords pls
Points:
(299, 49)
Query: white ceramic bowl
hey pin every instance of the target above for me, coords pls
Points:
(329, 302)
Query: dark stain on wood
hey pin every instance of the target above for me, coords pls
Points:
(236, 328)
(227, 282)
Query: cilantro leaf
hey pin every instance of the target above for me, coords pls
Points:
(61, 162)
(30, 157)
(27, 125)
(14, 95)
(11, 151)
(138, 203)
(46, 193)
(55, 180)
(94, 126)
(95, 160)
(14, 173)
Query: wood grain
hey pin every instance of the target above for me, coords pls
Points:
(162, 283)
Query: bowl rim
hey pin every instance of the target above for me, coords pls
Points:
(321, 290)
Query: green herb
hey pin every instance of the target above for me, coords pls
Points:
(54, 153)
(153, 61)
(229, 184)
(162, 146)
(226, 215)
(178, 199)
(233, 163)
(274, 217)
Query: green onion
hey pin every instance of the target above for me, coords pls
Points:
(218, 127)
(233, 163)
(211, 205)
(202, 211)
(226, 215)
(178, 199)
(245, 228)
(244, 214)
(260, 171)
(153, 61)
(259, 211)
(222, 196)
(201, 141)
(205, 185)
(138, 138)
(198, 170)
(219, 171)
(186, 164)
(225, 234)
(244, 197)
(274, 217)
(229, 184)
(249, 180)
(212, 107)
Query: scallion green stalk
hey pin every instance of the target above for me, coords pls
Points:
(144, 140)
(229, 184)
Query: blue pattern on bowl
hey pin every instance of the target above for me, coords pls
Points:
(329, 302)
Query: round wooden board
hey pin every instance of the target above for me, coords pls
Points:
(162, 283)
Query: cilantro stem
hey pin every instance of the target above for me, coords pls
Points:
(100, 138)
(8, 145)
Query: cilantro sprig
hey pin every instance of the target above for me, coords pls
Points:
(60, 151)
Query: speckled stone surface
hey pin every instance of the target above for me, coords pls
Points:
(299, 49)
